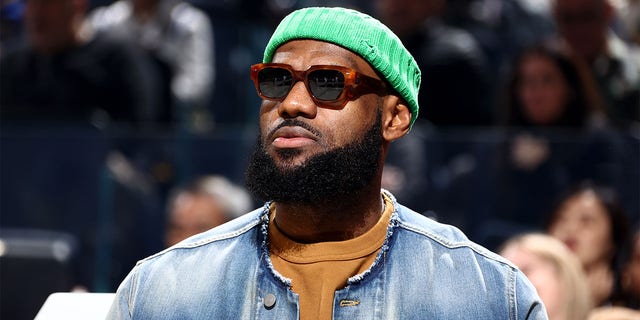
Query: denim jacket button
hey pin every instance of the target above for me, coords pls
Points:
(269, 300)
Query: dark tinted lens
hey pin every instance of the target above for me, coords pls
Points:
(275, 82)
(326, 84)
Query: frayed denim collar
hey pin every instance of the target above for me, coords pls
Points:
(378, 263)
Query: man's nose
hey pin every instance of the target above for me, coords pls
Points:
(298, 103)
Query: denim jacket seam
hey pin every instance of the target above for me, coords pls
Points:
(513, 307)
(133, 288)
(454, 245)
(215, 238)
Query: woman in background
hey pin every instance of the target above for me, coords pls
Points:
(592, 224)
(555, 136)
(548, 88)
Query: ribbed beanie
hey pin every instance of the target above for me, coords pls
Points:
(360, 33)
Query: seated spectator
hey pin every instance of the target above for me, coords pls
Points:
(179, 39)
(556, 137)
(547, 88)
(592, 224)
(554, 271)
(584, 27)
(455, 85)
(206, 203)
(65, 72)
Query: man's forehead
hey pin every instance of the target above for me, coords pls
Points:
(317, 52)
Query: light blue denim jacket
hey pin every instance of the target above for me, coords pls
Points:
(425, 270)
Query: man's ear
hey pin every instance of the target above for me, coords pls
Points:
(396, 118)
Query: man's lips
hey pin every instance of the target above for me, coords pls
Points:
(292, 137)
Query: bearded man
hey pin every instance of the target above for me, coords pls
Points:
(337, 87)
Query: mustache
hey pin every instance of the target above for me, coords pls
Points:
(295, 123)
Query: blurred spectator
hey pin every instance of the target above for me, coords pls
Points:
(614, 313)
(547, 88)
(554, 271)
(65, 72)
(555, 139)
(179, 39)
(590, 221)
(583, 25)
(206, 203)
(630, 279)
(455, 86)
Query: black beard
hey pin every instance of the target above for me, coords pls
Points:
(324, 177)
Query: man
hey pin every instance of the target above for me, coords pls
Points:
(66, 73)
(205, 203)
(337, 88)
(583, 25)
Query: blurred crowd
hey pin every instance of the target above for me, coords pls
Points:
(528, 137)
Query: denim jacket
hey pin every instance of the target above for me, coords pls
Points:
(425, 270)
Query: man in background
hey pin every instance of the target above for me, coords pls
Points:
(205, 203)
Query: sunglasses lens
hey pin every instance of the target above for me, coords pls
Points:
(275, 82)
(326, 84)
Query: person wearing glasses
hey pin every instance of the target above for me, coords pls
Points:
(337, 87)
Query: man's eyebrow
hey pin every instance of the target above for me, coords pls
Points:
(351, 62)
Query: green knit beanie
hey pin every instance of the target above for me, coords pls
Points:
(360, 33)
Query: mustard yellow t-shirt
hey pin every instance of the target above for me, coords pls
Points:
(317, 270)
